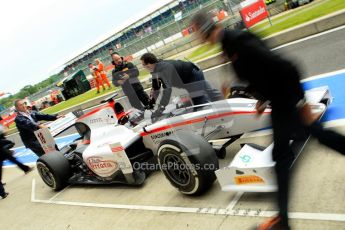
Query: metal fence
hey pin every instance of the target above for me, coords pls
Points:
(168, 27)
(164, 29)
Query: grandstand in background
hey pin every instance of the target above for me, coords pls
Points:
(159, 27)
(164, 30)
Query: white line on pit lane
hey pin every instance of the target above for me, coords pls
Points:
(234, 201)
(324, 75)
(212, 211)
(310, 37)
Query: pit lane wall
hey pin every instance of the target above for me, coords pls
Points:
(314, 27)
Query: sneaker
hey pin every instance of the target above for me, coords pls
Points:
(97, 91)
(3, 196)
(274, 223)
(30, 169)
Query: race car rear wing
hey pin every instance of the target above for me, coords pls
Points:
(60, 125)
(46, 135)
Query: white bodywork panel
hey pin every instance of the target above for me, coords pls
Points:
(229, 116)
(106, 154)
(252, 170)
(45, 139)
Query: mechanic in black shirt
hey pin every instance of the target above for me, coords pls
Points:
(125, 74)
(270, 78)
(179, 74)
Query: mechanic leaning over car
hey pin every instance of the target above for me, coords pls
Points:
(125, 74)
(179, 74)
(26, 123)
(273, 79)
(6, 154)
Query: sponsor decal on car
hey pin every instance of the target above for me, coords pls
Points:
(248, 179)
(156, 138)
(161, 135)
(245, 158)
(117, 149)
(102, 166)
(96, 120)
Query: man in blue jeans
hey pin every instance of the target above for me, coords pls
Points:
(179, 74)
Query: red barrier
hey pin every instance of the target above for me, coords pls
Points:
(8, 120)
(254, 13)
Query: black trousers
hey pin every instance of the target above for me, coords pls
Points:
(285, 124)
(7, 155)
(136, 95)
(35, 147)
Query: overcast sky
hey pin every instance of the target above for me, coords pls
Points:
(38, 36)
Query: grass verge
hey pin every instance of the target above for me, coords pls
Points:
(307, 13)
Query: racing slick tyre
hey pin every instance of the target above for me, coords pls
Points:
(54, 170)
(188, 161)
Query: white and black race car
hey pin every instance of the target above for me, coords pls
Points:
(122, 147)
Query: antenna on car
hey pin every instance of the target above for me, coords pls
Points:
(109, 99)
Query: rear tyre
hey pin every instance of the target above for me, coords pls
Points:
(54, 170)
(188, 161)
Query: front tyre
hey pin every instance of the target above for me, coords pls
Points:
(188, 161)
(54, 170)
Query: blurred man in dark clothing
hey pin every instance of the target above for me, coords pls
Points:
(179, 74)
(6, 154)
(125, 74)
(271, 78)
(26, 123)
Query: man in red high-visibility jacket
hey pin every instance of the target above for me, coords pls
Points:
(97, 76)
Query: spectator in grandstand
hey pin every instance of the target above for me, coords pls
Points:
(34, 108)
(26, 123)
(125, 74)
(254, 63)
(100, 68)
(179, 74)
(111, 51)
(97, 76)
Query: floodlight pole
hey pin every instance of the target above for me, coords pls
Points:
(268, 15)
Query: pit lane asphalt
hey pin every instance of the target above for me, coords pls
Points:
(317, 200)
(314, 56)
(318, 185)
